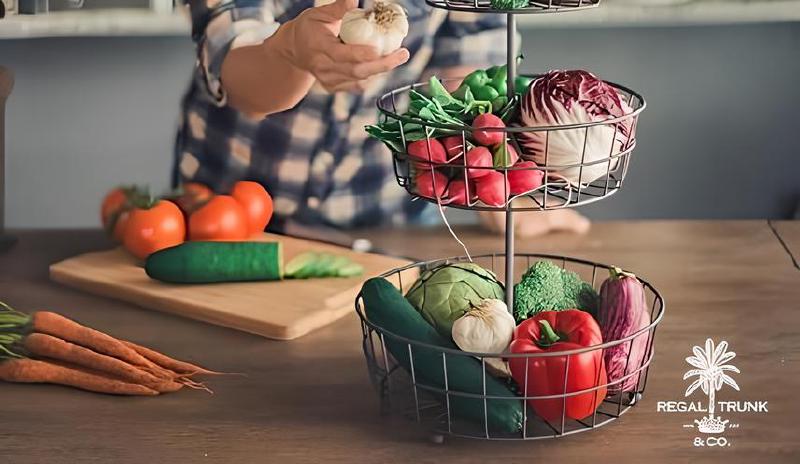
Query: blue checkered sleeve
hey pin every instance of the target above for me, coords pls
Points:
(468, 39)
(221, 25)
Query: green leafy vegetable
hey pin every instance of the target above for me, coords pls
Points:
(445, 293)
(547, 287)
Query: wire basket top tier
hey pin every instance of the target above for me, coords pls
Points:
(530, 7)
(567, 165)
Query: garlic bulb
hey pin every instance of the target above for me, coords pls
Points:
(487, 328)
(384, 27)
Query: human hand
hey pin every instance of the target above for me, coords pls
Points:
(532, 224)
(314, 47)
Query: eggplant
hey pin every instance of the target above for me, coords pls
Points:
(623, 312)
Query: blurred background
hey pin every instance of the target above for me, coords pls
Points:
(97, 91)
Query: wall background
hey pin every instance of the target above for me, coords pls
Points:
(718, 140)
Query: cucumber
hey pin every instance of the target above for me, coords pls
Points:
(350, 270)
(297, 263)
(212, 262)
(386, 307)
(324, 267)
(310, 264)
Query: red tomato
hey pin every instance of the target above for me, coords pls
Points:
(119, 226)
(152, 229)
(222, 218)
(113, 203)
(257, 205)
(193, 197)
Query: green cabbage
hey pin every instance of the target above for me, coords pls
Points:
(444, 293)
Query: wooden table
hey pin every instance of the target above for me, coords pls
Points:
(310, 400)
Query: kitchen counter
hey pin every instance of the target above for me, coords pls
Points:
(611, 13)
(310, 400)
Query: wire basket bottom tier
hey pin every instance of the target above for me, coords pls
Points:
(415, 393)
(432, 414)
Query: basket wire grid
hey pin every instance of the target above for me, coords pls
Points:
(533, 6)
(408, 391)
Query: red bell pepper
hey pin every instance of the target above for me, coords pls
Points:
(554, 331)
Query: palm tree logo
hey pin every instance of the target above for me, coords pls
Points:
(710, 369)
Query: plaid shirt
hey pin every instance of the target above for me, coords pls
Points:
(315, 159)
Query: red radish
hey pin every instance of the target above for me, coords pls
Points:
(454, 146)
(479, 157)
(457, 192)
(487, 138)
(505, 155)
(431, 184)
(525, 179)
(493, 189)
(419, 151)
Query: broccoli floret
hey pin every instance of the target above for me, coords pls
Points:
(547, 287)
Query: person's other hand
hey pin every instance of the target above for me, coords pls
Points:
(532, 224)
(315, 47)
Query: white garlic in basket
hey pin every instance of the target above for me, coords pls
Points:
(486, 328)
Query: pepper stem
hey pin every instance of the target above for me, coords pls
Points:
(548, 335)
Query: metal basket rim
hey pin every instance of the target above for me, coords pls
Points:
(513, 129)
(458, 352)
(535, 7)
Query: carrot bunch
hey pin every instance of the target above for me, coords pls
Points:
(45, 347)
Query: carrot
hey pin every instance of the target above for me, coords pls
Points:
(34, 371)
(50, 323)
(174, 365)
(47, 346)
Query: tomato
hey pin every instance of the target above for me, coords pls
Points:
(114, 202)
(257, 205)
(193, 196)
(222, 218)
(151, 229)
(119, 226)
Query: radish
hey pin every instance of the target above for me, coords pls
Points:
(487, 138)
(505, 155)
(525, 179)
(431, 184)
(457, 192)
(454, 146)
(419, 151)
(493, 189)
(479, 157)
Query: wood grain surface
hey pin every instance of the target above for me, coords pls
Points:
(281, 310)
(310, 400)
(789, 235)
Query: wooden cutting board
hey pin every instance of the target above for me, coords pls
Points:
(281, 310)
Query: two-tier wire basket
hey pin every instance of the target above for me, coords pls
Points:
(401, 385)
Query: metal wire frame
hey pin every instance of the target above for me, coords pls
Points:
(533, 7)
(563, 185)
(404, 391)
